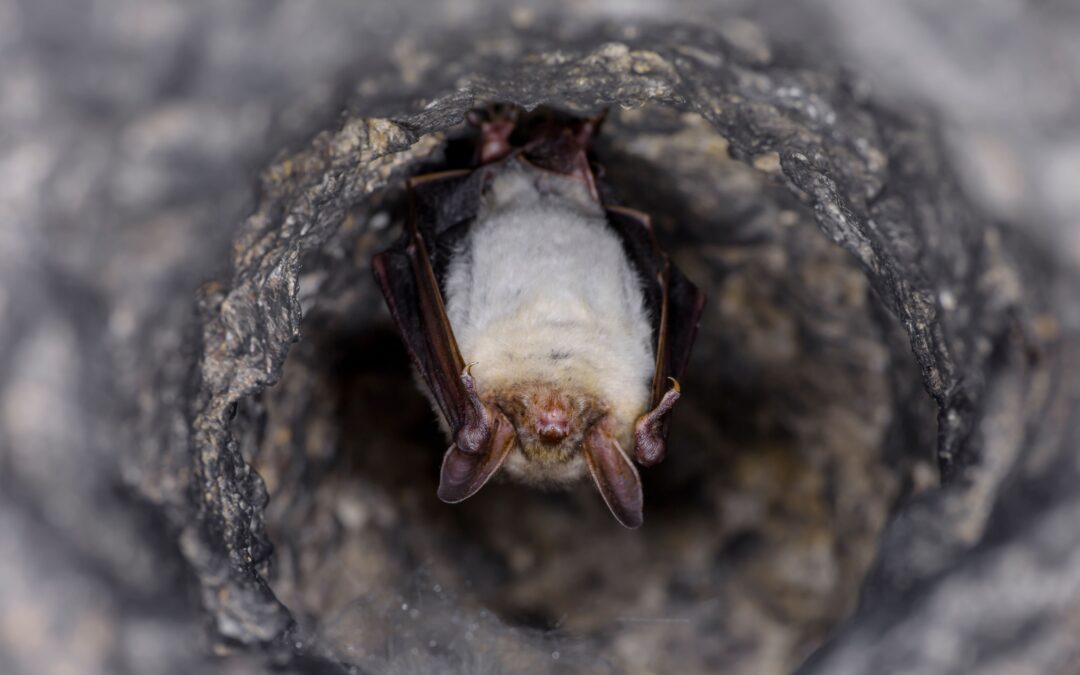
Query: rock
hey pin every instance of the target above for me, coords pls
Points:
(263, 466)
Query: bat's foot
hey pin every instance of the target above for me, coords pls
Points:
(649, 445)
(495, 123)
(473, 436)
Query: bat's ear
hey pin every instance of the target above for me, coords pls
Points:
(464, 473)
(615, 476)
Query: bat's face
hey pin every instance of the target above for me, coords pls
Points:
(550, 422)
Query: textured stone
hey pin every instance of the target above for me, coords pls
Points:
(140, 443)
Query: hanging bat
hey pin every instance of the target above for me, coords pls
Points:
(549, 328)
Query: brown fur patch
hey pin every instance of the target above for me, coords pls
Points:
(525, 403)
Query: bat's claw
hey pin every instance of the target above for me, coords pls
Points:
(649, 431)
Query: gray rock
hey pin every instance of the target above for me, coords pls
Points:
(254, 479)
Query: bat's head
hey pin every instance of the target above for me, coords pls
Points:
(548, 434)
(550, 423)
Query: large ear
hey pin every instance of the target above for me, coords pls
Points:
(464, 473)
(615, 476)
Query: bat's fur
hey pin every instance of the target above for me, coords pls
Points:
(541, 297)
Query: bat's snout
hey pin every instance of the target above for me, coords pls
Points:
(547, 418)
(552, 424)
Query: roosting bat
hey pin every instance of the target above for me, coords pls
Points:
(546, 325)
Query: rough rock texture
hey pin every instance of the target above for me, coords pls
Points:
(140, 441)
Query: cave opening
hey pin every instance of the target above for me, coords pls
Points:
(802, 425)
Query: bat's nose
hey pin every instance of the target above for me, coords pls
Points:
(552, 424)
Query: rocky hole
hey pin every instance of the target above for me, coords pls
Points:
(803, 424)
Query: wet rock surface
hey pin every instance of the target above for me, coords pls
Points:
(254, 479)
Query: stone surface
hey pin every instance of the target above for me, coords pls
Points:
(179, 482)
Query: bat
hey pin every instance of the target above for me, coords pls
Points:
(550, 329)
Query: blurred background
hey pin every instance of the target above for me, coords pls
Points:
(132, 134)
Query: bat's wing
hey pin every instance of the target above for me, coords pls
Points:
(438, 203)
(675, 305)
(405, 275)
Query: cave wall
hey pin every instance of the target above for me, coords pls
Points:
(120, 407)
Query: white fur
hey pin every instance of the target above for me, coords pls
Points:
(546, 476)
(541, 272)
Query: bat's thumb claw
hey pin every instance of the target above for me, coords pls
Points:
(651, 429)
